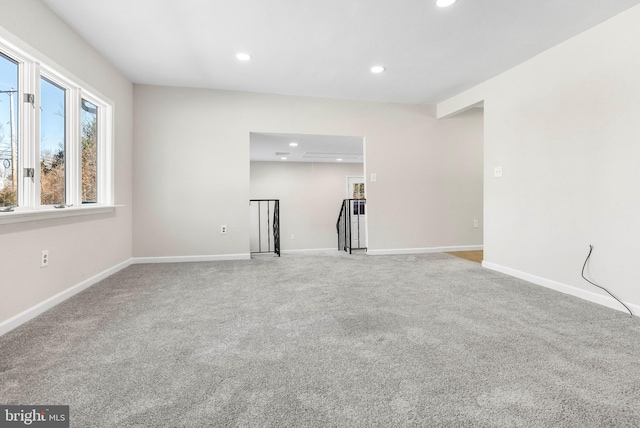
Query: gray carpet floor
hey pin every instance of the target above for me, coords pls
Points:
(326, 340)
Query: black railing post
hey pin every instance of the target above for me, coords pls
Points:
(268, 234)
(350, 223)
(346, 224)
(259, 227)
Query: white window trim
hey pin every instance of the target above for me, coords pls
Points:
(48, 213)
(33, 65)
(105, 151)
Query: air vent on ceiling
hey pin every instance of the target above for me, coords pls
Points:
(282, 153)
(343, 156)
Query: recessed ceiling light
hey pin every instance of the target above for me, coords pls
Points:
(243, 56)
(339, 160)
(283, 158)
(377, 69)
(445, 3)
(294, 144)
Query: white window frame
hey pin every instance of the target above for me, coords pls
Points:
(70, 138)
(31, 67)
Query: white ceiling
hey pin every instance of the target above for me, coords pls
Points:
(325, 48)
(310, 148)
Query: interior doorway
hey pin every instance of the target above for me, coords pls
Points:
(308, 174)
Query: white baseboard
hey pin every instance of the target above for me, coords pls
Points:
(601, 299)
(21, 318)
(424, 250)
(310, 250)
(186, 259)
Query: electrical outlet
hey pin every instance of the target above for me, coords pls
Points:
(44, 259)
(475, 223)
(223, 229)
(293, 236)
(497, 171)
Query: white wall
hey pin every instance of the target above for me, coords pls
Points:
(79, 247)
(564, 126)
(310, 196)
(192, 167)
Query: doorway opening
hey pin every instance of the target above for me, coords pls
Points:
(307, 174)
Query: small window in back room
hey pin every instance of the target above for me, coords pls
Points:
(8, 131)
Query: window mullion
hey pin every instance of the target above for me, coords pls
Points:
(73, 174)
(30, 135)
(106, 155)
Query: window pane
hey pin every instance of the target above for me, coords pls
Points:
(52, 143)
(8, 131)
(89, 152)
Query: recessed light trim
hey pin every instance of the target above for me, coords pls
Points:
(293, 144)
(283, 158)
(339, 159)
(377, 69)
(242, 56)
(445, 3)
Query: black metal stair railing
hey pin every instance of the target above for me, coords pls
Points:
(351, 223)
(268, 231)
(341, 226)
(276, 227)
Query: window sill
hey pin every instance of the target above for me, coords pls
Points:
(51, 213)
